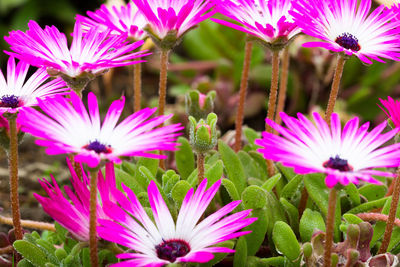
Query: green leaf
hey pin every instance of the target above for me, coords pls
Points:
(258, 230)
(372, 191)
(233, 166)
(251, 135)
(285, 240)
(214, 173)
(219, 256)
(150, 163)
(251, 169)
(128, 180)
(261, 163)
(169, 179)
(179, 191)
(287, 172)
(292, 213)
(49, 250)
(271, 182)
(376, 204)
(309, 222)
(185, 162)
(240, 256)
(254, 197)
(25, 263)
(352, 219)
(352, 194)
(31, 252)
(292, 188)
(231, 189)
(60, 254)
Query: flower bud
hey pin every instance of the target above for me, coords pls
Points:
(203, 134)
(199, 105)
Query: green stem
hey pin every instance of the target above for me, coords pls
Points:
(242, 94)
(335, 88)
(392, 214)
(93, 218)
(330, 223)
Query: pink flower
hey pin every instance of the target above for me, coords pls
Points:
(16, 94)
(90, 54)
(71, 129)
(73, 213)
(267, 20)
(345, 27)
(344, 155)
(173, 16)
(119, 19)
(166, 241)
(393, 110)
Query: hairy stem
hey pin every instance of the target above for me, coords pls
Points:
(162, 91)
(283, 84)
(137, 86)
(303, 201)
(200, 167)
(242, 94)
(372, 217)
(330, 223)
(13, 168)
(93, 218)
(335, 88)
(29, 224)
(392, 214)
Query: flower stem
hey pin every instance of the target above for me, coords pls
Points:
(373, 217)
(162, 91)
(283, 84)
(303, 201)
(76, 165)
(29, 224)
(392, 214)
(335, 88)
(137, 86)
(242, 94)
(272, 100)
(93, 218)
(13, 168)
(330, 223)
(200, 167)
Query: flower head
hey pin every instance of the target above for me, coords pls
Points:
(120, 19)
(167, 241)
(90, 54)
(16, 94)
(71, 129)
(168, 20)
(267, 20)
(344, 155)
(393, 110)
(344, 26)
(74, 214)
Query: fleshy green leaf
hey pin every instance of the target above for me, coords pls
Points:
(179, 191)
(372, 191)
(185, 162)
(214, 173)
(285, 240)
(292, 213)
(258, 230)
(240, 256)
(251, 169)
(31, 252)
(271, 182)
(254, 197)
(124, 177)
(309, 222)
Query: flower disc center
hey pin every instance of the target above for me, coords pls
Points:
(338, 163)
(172, 249)
(9, 101)
(98, 147)
(348, 41)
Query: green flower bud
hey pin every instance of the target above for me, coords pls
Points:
(203, 134)
(199, 105)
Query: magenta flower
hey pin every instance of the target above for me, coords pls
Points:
(267, 20)
(120, 19)
(344, 26)
(16, 95)
(393, 110)
(73, 214)
(167, 241)
(71, 129)
(344, 155)
(90, 54)
(173, 17)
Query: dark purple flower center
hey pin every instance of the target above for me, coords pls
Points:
(338, 163)
(172, 249)
(98, 147)
(348, 41)
(9, 101)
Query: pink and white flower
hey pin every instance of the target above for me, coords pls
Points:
(166, 241)
(346, 26)
(119, 19)
(90, 54)
(344, 155)
(173, 16)
(73, 213)
(71, 129)
(267, 20)
(393, 110)
(16, 94)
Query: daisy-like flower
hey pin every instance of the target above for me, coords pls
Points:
(393, 110)
(90, 54)
(344, 155)
(71, 129)
(16, 94)
(267, 20)
(73, 213)
(349, 29)
(120, 19)
(167, 241)
(168, 20)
